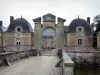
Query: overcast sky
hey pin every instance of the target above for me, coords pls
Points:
(30, 9)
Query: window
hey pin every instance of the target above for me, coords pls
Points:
(17, 43)
(79, 29)
(18, 29)
(79, 41)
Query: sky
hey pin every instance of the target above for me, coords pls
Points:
(31, 9)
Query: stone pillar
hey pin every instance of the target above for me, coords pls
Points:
(60, 34)
(37, 33)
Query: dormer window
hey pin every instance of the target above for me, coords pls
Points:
(79, 29)
(18, 29)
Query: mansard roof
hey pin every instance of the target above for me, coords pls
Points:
(20, 22)
(79, 22)
(66, 28)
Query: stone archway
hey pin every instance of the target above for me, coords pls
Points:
(48, 38)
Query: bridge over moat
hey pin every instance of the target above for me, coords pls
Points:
(47, 62)
(34, 65)
(37, 65)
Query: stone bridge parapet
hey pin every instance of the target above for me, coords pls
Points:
(6, 58)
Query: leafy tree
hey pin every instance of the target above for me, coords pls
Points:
(97, 24)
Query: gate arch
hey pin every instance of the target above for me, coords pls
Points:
(48, 37)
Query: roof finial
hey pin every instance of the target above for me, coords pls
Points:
(21, 16)
(78, 16)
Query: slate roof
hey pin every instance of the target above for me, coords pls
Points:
(79, 22)
(66, 28)
(20, 22)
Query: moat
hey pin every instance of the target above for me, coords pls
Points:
(86, 71)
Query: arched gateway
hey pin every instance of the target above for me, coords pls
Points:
(48, 34)
(48, 37)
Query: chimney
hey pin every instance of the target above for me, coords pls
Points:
(11, 19)
(0, 23)
(88, 20)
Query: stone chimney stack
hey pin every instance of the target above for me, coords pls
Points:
(0, 23)
(88, 20)
(11, 19)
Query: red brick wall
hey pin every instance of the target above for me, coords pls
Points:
(72, 39)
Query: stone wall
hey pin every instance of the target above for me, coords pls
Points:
(49, 24)
(72, 39)
(10, 41)
(84, 55)
(86, 58)
(82, 58)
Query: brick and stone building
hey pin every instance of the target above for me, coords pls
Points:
(80, 33)
(19, 35)
(49, 32)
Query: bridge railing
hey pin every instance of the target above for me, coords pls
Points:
(10, 56)
(67, 64)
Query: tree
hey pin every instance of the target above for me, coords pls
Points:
(97, 24)
(96, 19)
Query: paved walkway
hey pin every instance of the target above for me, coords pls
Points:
(52, 52)
(38, 65)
